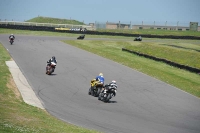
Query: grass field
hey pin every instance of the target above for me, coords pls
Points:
(46, 33)
(183, 54)
(153, 32)
(55, 21)
(16, 116)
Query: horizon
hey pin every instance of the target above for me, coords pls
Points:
(102, 11)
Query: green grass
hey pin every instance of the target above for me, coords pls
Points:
(184, 56)
(55, 21)
(153, 32)
(46, 33)
(19, 117)
(182, 79)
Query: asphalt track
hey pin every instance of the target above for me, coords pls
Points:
(142, 105)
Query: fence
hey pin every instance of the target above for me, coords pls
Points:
(70, 26)
(167, 25)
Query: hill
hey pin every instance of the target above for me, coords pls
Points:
(54, 21)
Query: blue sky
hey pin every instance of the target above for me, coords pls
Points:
(103, 10)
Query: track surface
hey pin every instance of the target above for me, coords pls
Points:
(142, 105)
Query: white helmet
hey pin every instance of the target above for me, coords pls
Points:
(113, 82)
(101, 74)
(12, 35)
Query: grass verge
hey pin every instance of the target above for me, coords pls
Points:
(153, 32)
(182, 79)
(18, 117)
(188, 56)
(46, 33)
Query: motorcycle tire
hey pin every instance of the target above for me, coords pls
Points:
(98, 91)
(107, 98)
(92, 92)
(89, 92)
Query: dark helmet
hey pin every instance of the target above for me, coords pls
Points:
(53, 58)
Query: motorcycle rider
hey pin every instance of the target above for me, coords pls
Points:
(98, 78)
(53, 59)
(110, 85)
(11, 37)
(140, 38)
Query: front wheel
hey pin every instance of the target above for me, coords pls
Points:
(108, 98)
(48, 70)
(11, 42)
(89, 92)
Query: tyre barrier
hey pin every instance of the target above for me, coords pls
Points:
(45, 28)
(27, 27)
(188, 68)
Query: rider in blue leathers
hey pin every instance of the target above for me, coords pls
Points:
(99, 78)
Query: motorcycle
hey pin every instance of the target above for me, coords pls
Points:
(95, 88)
(107, 93)
(81, 37)
(11, 40)
(50, 68)
(138, 38)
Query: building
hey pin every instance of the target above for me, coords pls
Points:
(180, 28)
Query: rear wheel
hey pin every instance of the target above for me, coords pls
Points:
(98, 91)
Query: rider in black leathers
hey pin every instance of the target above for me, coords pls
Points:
(110, 85)
(11, 36)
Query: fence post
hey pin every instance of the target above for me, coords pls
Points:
(177, 25)
(119, 25)
(130, 25)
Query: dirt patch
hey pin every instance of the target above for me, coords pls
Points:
(11, 85)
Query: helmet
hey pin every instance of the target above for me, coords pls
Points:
(12, 35)
(113, 82)
(53, 57)
(101, 74)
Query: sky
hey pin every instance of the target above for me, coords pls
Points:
(90, 11)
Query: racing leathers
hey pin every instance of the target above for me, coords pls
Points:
(108, 86)
(51, 60)
(11, 37)
(98, 79)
